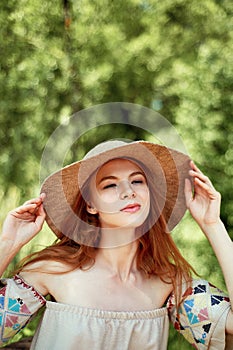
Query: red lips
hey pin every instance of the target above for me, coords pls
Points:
(131, 208)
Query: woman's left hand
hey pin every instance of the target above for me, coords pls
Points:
(204, 202)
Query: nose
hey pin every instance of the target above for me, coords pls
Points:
(126, 190)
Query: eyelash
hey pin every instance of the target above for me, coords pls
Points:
(137, 181)
(109, 186)
(113, 185)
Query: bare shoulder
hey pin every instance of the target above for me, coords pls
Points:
(161, 290)
(41, 274)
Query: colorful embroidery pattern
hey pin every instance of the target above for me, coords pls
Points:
(18, 302)
(199, 312)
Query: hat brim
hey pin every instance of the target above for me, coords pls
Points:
(168, 167)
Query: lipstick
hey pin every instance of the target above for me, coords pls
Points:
(131, 208)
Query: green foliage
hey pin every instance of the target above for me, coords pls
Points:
(173, 55)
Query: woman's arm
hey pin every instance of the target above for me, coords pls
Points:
(20, 226)
(19, 300)
(204, 206)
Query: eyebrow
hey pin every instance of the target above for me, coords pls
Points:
(111, 177)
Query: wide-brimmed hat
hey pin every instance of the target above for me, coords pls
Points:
(168, 169)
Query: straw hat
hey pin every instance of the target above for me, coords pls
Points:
(168, 167)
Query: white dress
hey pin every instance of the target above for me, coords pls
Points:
(200, 319)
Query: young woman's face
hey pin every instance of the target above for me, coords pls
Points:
(120, 194)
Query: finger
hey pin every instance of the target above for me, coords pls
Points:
(25, 216)
(26, 208)
(194, 166)
(201, 177)
(36, 200)
(197, 172)
(188, 192)
(41, 211)
(40, 217)
(42, 196)
(212, 193)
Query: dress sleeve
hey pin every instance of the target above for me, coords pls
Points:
(201, 317)
(18, 303)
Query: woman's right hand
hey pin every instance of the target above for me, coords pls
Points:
(23, 223)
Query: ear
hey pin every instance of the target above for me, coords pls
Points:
(91, 210)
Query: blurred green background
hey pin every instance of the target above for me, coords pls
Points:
(174, 56)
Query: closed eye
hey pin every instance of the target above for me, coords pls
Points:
(109, 186)
(137, 181)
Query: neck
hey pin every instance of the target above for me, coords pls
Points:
(120, 261)
(116, 237)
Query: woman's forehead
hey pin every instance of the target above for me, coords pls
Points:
(119, 165)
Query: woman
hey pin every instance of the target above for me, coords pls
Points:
(116, 276)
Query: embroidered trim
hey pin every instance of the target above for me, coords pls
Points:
(18, 302)
(198, 313)
(20, 281)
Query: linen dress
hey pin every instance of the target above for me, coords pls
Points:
(200, 319)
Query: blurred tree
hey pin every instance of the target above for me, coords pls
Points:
(61, 57)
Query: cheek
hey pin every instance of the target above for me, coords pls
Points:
(107, 202)
(108, 196)
(101, 199)
(146, 196)
(144, 193)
